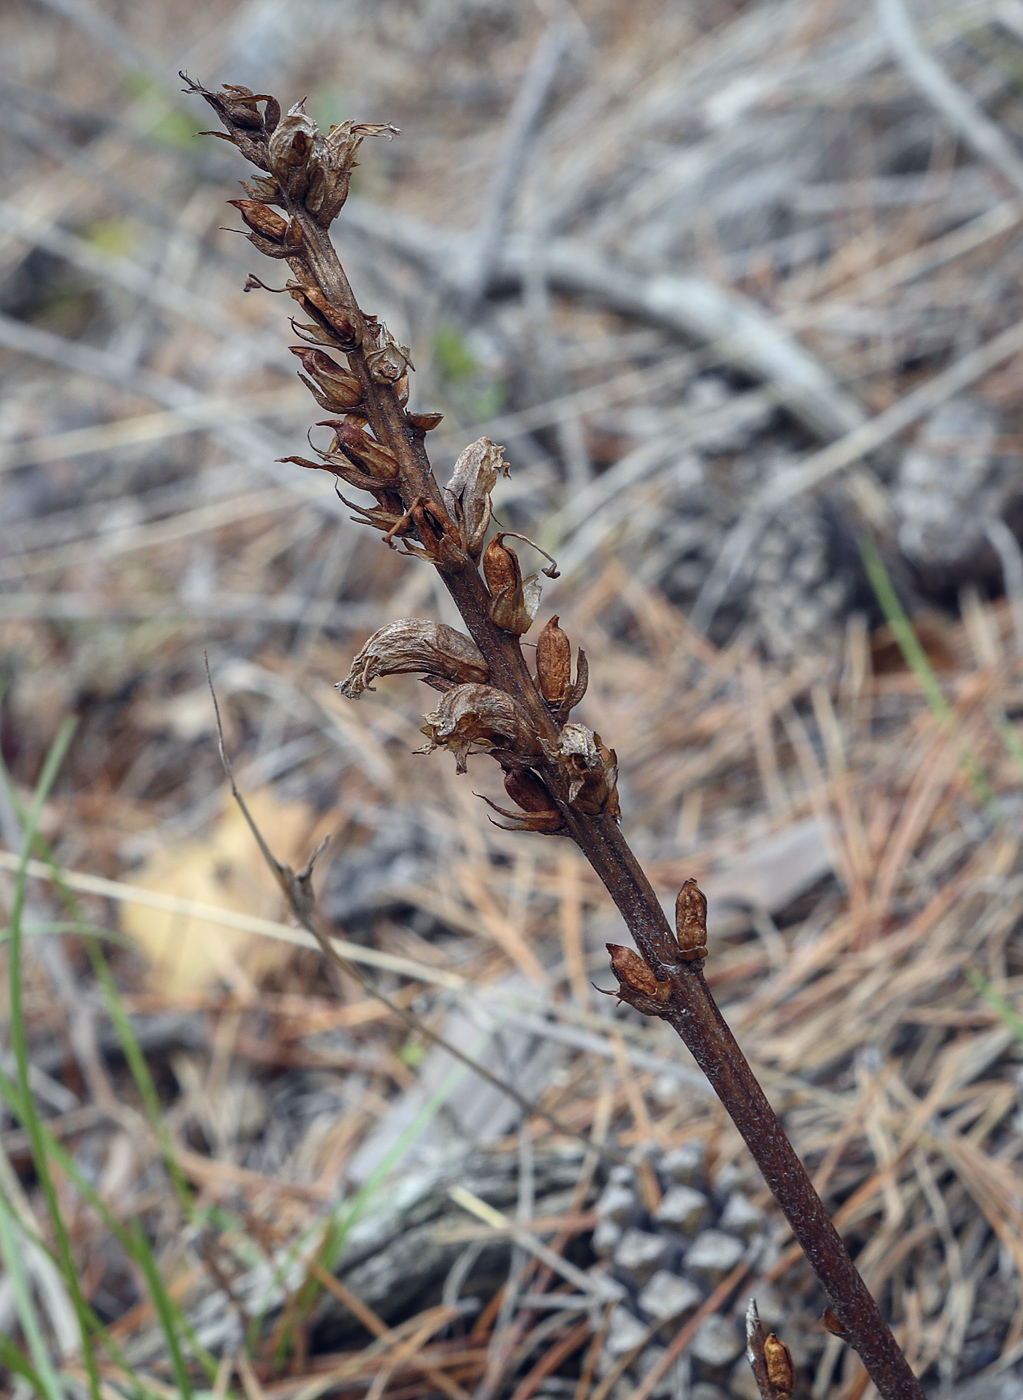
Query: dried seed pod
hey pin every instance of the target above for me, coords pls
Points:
(591, 768)
(412, 644)
(691, 921)
(261, 220)
(636, 979)
(553, 662)
(514, 600)
(538, 812)
(780, 1370)
(467, 494)
(343, 328)
(480, 718)
(368, 454)
(339, 388)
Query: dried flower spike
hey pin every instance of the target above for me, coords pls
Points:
(691, 922)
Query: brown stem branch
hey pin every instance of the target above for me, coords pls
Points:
(308, 177)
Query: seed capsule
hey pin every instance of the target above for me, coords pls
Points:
(636, 976)
(691, 921)
(514, 600)
(261, 219)
(778, 1360)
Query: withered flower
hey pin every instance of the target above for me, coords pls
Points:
(333, 387)
(514, 600)
(554, 670)
(314, 168)
(444, 656)
(591, 768)
(636, 979)
(479, 718)
(691, 922)
(467, 494)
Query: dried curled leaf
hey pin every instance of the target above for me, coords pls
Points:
(691, 921)
(479, 718)
(591, 768)
(411, 645)
(467, 494)
(636, 979)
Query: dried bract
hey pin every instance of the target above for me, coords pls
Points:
(414, 645)
(636, 979)
(478, 718)
(467, 494)
(591, 768)
(514, 600)
(538, 813)
(691, 922)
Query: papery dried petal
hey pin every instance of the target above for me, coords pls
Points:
(691, 921)
(635, 975)
(591, 768)
(415, 645)
(480, 718)
(467, 494)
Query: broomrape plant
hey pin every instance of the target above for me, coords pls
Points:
(560, 775)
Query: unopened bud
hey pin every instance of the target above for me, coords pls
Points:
(778, 1360)
(636, 976)
(691, 921)
(338, 388)
(413, 645)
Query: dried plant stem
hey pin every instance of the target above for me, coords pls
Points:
(560, 774)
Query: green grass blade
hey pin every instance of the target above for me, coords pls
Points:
(166, 1311)
(12, 1249)
(19, 1044)
(1005, 1009)
(917, 660)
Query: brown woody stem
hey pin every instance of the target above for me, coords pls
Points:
(690, 1010)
